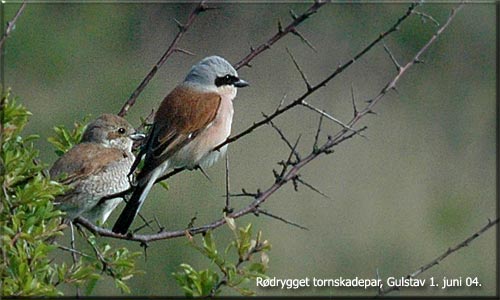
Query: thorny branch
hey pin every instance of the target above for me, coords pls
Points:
(441, 257)
(323, 83)
(12, 24)
(183, 28)
(292, 170)
(291, 28)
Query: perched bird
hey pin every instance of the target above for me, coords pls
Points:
(190, 122)
(96, 167)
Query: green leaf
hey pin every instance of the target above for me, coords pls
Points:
(164, 185)
(122, 286)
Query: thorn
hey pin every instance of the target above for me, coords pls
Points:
(322, 112)
(276, 175)
(161, 227)
(145, 246)
(306, 41)
(227, 206)
(280, 27)
(295, 184)
(283, 137)
(302, 74)
(395, 89)
(191, 222)
(294, 150)
(424, 17)
(293, 14)
(184, 51)
(310, 186)
(354, 108)
(255, 195)
(266, 213)
(203, 172)
(281, 102)
(394, 61)
(181, 26)
(316, 137)
(146, 224)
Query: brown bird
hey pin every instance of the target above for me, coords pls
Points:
(96, 167)
(190, 122)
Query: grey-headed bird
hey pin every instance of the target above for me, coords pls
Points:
(190, 122)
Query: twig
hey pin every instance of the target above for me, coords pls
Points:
(73, 251)
(318, 132)
(441, 257)
(283, 137)
(266, 213)
(12, 24)
(425, 16)
(74, 254)
(290, 28)
(402, 70)
(288, 162)
(326, 115)
(311, 187)
(354, 108)
(302, 74)
(321, 84)
(227, 208)
(105, 265)
(183, 28)
(394, 61)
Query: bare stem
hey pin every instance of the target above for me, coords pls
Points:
(441, 257)
(11, 25)
(183, 28)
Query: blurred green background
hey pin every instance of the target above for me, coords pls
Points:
(422, 181)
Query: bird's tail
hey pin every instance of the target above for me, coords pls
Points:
(134, 204)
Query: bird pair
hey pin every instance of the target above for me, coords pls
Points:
(191, 121)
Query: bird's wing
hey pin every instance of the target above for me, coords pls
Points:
(182, 115)
(85, 160)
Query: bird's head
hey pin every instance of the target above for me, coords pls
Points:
(111, 131)
(215, 74)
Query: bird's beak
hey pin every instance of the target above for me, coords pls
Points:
(241, 83)
(136, 136)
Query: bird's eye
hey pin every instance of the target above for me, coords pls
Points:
(225, 80)
(121, 130)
